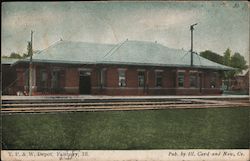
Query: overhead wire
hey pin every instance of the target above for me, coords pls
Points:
(115, 49)
(23, 75)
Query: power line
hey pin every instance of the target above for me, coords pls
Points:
(30, 65)
(115, 48)
(192, 28)
(13, 83)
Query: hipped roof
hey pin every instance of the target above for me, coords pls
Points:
(8, 61)
(125, 53)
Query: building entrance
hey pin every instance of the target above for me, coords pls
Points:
(85, 82)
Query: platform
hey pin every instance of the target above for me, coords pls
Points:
(123, 97)
(87, 103)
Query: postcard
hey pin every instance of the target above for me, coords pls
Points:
(125, 81)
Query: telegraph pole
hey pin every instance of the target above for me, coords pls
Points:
(30, 65)
(192, 28)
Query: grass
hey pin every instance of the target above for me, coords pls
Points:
(222, 128)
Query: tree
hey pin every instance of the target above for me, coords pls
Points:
(227, 57)
(238, 62)
(212, 56)
(15, 55)
(24, 55)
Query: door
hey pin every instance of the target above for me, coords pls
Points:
(55, 83)
(85, 83)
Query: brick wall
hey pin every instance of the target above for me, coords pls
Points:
(70, 81)
(9, 80)
(169, 83)
(112, 77)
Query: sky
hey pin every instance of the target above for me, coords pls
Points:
(221, 25)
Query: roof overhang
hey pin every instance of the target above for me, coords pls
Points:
(124, 63)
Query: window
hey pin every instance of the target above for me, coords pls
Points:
(103, 77)
(141, 78)
(158, 79)
(84, 73)
(55, 79)
(42, 80)
(193, 79)
(26, 77)
(181, 79)
(44, 76)
(122, 78)
(213, 80)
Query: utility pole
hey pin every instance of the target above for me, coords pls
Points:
(30, 65)
(192, 28)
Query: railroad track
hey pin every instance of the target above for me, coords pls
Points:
(74, 105)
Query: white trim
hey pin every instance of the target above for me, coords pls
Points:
(159, 70)
(85, 69)
(193, 71)
(181, 71)
(122, 69)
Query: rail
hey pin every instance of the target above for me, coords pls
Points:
(53, 105)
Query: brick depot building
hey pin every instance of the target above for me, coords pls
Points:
(128, 68)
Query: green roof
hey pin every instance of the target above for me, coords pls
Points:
(125, 53)
(8, 61)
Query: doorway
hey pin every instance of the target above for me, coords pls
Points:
(85, 83)
(55, 82)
